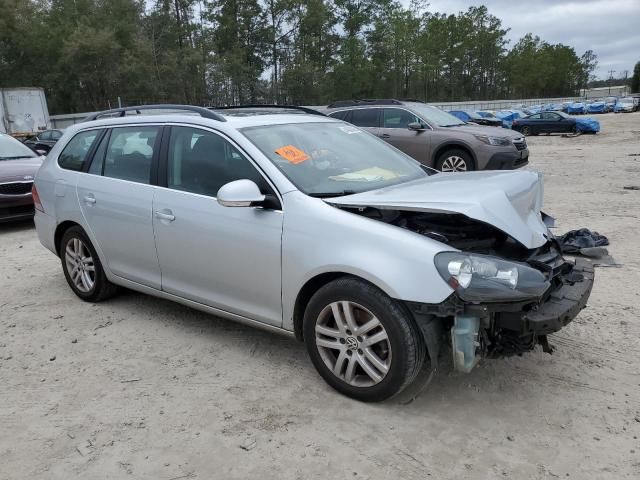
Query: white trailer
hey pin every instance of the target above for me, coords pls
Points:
(23, 111)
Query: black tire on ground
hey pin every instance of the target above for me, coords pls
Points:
(407, 346)
(102, 288)
(574, 129)
(460, 154)
(526, 131)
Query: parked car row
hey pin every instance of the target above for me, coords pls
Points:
(434, 137)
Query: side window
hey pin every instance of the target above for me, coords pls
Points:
(75, 153)
(537, 116)
(202, 162)
(56, 135)
(398, 118)
(46, 135)
(129, 153)
(365, 117)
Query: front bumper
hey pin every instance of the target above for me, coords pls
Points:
(15, 207)
(508, 160)
(559, 307)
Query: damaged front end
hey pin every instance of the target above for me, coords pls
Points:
(507, 298)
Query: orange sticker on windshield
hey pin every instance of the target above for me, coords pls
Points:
(292, 154)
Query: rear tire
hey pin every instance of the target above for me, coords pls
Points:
(364, 344)
(82, 267)
(455, 160)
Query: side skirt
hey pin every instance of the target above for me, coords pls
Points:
(199, 306)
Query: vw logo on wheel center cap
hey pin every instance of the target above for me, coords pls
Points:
(352, 343)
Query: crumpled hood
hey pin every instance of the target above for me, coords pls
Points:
(510, 201)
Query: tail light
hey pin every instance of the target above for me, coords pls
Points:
(36, 198)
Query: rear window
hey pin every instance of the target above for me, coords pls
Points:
(129, 153)
(75, 153)
(365, 117)
(340, 115)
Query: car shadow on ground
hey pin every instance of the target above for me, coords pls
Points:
(446, 391)
(16, 226)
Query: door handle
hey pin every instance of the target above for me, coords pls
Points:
(165, 216)
(90, 199)
(385, 135)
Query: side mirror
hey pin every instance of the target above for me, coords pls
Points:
(240, 193)
(417, 126)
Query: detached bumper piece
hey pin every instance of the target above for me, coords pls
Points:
(514, 333)
(564, 304)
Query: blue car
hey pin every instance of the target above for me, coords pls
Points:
(577, 108)
(473, 117)
(596, 107)
(507, 117)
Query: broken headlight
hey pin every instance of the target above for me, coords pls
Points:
(481, 278)
(495, 141)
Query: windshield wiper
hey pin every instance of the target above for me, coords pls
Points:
(331, 194)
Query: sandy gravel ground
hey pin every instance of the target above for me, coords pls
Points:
(142, 388)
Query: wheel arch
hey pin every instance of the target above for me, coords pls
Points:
(454, 146)
(59, 233)
(310, 287)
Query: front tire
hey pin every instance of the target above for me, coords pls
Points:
(455, 160)
(526, 131)
(364, 344)
(82, 267)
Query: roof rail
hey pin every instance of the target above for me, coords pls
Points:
(310, 111)
(121, 112)
(365, 101)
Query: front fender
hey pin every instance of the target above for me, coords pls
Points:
(318, 238)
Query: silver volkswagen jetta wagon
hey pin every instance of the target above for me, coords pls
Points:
(289, 220)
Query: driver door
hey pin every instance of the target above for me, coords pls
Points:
(224, 257)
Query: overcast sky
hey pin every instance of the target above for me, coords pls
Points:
(611, 28)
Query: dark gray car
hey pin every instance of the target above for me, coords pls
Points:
(434, 137)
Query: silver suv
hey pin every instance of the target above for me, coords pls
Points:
(433, 137)
(309, 226)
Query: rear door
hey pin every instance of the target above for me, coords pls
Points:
(116, 196)
(395, 130)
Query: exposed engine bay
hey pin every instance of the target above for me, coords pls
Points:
(491, 329)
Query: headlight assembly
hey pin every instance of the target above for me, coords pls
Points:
(495, 141)
(481, 278)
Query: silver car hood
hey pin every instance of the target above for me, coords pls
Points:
(510, 201)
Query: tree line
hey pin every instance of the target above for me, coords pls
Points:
(87, 53)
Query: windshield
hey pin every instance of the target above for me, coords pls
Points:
(332, 158)
(12, 149)
(435, 116)
(626, 100)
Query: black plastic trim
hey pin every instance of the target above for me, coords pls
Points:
(121, 112)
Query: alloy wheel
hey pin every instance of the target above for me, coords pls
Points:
(80, 265)
(526, 131)
(454, 163)
(353, 343)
